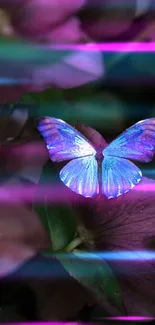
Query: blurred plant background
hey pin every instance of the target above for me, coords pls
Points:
(106, 91)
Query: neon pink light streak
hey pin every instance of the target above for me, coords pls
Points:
(111, 47)
(130, 318)
(123, 318)
(54, 193)
(26, 193)
(44, 323)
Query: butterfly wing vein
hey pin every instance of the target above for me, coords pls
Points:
(81, 176)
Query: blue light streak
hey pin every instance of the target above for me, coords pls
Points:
(109, 256)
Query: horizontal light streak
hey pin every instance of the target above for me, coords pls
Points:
(137, 255)
(110, 47)
(53, 192)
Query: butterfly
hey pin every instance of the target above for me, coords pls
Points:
(104, 171)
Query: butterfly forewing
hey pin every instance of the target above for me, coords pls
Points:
(118, 176)
(137, 142)
(63, 141)
(81, 176)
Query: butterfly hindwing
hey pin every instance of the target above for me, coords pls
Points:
(118, 176)
(81, 176)
(63, 141)
(137, 142)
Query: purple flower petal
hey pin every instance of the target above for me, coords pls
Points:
(73, 70)
(128, 224)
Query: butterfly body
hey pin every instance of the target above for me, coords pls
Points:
(99, 156)
(106, 170)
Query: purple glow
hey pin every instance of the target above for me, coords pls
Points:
(145, 187)
(26, 193)
(55, 193)
(130, 318)
(111, 47)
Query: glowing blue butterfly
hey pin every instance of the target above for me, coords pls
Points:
(99, 171)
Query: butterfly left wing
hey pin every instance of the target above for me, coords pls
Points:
(137, 142)
(118, 176)
(63, 141)
(81, 176)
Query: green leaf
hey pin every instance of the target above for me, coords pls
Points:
(58, 220)
(143, 63)
(96, 110)
(101, 109)
(48, 103)
(93, 273)
(24, 52)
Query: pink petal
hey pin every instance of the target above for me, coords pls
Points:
(10, 94)
(92, 135)
(69, 32)
(21, 236)
(12, 255)
(24, 226)
(36, 16)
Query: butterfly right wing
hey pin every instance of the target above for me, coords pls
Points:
(118, 176)
(63, 141)
(137, 142)
(81, 176)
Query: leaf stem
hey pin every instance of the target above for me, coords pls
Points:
(73, 244)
